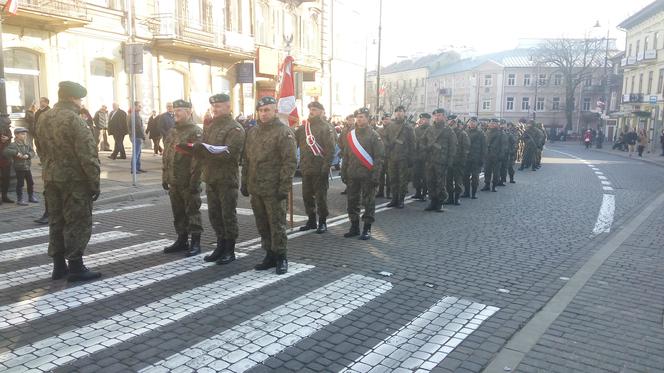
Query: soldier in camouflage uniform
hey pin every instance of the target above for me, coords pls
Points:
(316, 153)
(476, 155)
(181, 176)
(495, 152)
(531, 144)
(456, 171)
(363, 159)
(384, 187)
(221, 176)
(399, 142)
(68, 154)
(268, 166)
(440, 146)
(540, 147)
(419, 169)
(504, 156)
(512, 144)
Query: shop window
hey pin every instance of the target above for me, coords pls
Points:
(22, 80)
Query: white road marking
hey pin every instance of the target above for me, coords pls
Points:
(602, 177)
(58, 350)
(607, 188)
(426, 340)
(599, 173)
(250, 212)
(22, 252)
(605, 217)
(32, 274)
(604, 182)
(591, 165)
(253, 341)
(595, 169)
(124, 208)
(24, 234)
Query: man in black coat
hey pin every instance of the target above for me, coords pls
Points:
(117, 127)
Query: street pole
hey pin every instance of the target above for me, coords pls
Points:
(132, 94)
(380, 29)
(536, 88)
(4, 116)
(607, 100)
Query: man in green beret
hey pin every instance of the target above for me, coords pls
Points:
(476, 156)
(495, 152)
(70, 170)
(181, 176)
(440, 146)
(419, 170)
(399, 143)
(455, 174)
(221, 176)
(268, 166)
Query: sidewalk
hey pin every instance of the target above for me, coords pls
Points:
(654, 158)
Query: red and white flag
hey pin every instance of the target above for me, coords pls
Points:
(286, 104)
(11, 7)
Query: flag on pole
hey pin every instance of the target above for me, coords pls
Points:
(11, 7)
(286, 103)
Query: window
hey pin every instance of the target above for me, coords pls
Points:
(194, 14)
(539, 105)
(557, 79)
(488, 80)
(586, 104)
(511, 79)
(555, 104)
(632, 85)
(629, 51)
(486, 105)
(22, 80)
(104, 3)
(541, 80)
(645, 44)
(588, 82)
(510, 104)
(525, 103)
(654, 40)
(660, 81)
(526, 79)
(650, 77)
(638, 43)
(640, 83)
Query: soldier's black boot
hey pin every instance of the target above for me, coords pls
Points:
(456, 199)
(432, 205)
(474, 194)
(354, 229)
(43, 219)
(282, 265)
(195, 245)
(366, 232)
(439, 206)
(218, 251)
(493, 187)
(311, 224)
(60, 269)
(229, 253)
(268, 262)
(466, 190)
(401, 205)
(512, 180)
(322, 226)
(179, 245)
(487, 187)
(395, 200)
(79, 272)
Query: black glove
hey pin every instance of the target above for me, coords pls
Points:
(244, 190)
(165, 186)
(95, 195)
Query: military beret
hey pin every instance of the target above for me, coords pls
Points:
(523, 120)
(400, 108)
(439, 111)
(425, 115)
(181, 104)
(473, 119)
(387, 115)
(267, 100)
(494, 120)
(219, 97)
(316, 104)
(71, 89)
(363, 110)
(20, 130)
(451, 117)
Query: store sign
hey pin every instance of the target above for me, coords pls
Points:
(245, 72)
(267, 61)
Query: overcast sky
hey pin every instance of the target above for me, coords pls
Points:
(424, 26)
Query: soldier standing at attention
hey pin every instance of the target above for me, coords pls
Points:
(512, 143)
(70, 162)
(316, 141)
(495, 150)
(181, 176)
(268, 167)
(440, 146)
(531, 143)
(455, 176)
(399, 141)
(349, 125)
(363, 159)
(419, 172)
(476, 156)
(504, 155)
(221, 173)
(383, 183)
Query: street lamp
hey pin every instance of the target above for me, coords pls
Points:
(380, 28)
(605, 111)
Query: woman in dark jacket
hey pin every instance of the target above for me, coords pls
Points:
(153, 132)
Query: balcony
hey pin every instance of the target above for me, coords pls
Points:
(633, 98)
(650, 55)
(53, 15)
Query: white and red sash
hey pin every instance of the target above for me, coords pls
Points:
(311, 140)
(357, 149)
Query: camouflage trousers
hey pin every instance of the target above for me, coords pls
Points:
(314, 194)
(361, 191)
(222, 202)
(507, 168)
(538, 156)
(399, 174)
(270, 216)
(69, 206)
(455, 177)
(186, 210)
(492, 171)
(436, 175)
(471, 176)
(529, 157)
(419, 176)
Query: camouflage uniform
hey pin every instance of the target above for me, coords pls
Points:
(399, 141)
(268, 166)
(508, 168)
(495, 152)
(540, 145)
(316, 169)
(476, 156)
(182, 172)
(384, 186)
(419, 170)
(456, 172)
(503, 158)
(531, 143)
(70, 164)
(221, 174)
(440, 145)
(360, 180)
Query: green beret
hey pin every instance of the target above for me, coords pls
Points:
(71, 89)
(400, 108)
(181, 104)
(439, 111)
(425, 115)
(451, 117)
(494, 120)
(473, 119)
(219, 97)
(267, 100)
(363, 110)
(315, 104)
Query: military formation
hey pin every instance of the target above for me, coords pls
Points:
(441, 155)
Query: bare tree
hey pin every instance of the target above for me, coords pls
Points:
(402, 96)
(576, 60)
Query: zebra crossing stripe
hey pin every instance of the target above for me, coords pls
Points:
(23, 252)
(250, 212)
(34, 308)
(55, 351)
(253, 341)
(426, 340)
(32, 274)
(124, 208)
(24, 234)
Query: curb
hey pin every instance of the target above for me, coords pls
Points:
(131, 196)
(618, 154)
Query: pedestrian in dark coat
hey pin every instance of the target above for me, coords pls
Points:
(117, 127)
(154, 133)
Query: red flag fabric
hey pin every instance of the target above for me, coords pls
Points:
(11, 7)
(286, 104)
